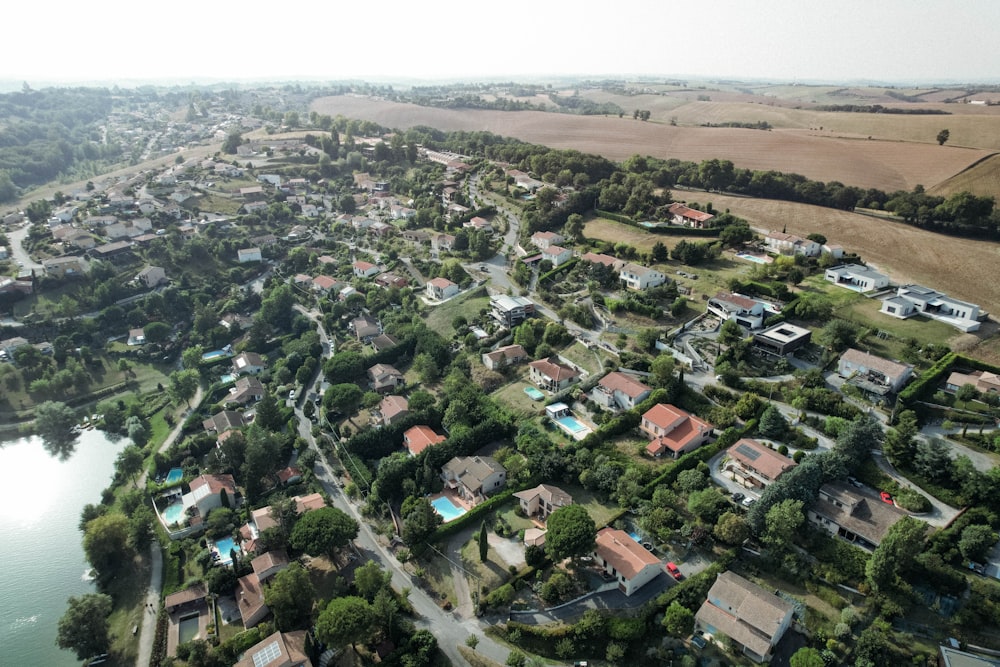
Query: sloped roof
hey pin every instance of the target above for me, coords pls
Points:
(623, 553)
(625, 383)
(553, 369)
(744, 611)
(761, 458)
(419, 438)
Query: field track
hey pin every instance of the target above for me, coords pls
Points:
(820, 155)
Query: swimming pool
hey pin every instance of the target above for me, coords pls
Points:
(227, 378)
(175, 475)
(447, 509)
(534, 394)
(187, 629)
(753, 258)
(224, 546)
(174, 513)
(214, 354)
(571, 424)
(635, 536)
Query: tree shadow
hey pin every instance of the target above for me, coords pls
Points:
(61, 448)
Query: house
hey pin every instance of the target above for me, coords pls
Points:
(392, 409)
(859, 519)
(109, 250)
(781, 243)
(390, 280)
(505, 356)
(510, 310)
(282, 649)
(346, 293)
(136, 337)
(63, 267)
(551, 375)
(619, 391)
(523, 180)
(186, 600)
(152, 276)
(951, 656)
(557, 255)
(689, 217)
(605, 260)
(416, 236)
(247, 389)
(753, 618)
(985, 382)
(248, 255)
(224, 421)
(625, 559)
(916, 299)
(674, 432)
(441, 288)
(474, 477)
(252, 192)
(856, 277)
(419, 438)
(289, 475)
(543, 240)
(639, 277)
(207, 492)
(383, 378)
(383, 342)
(323, 284)
(250, 600)
(745, 311)
(782, 339)
(479, 224)
(365, 328)
(543, 500)
(873, 374)
(269, 564)
(360, 223)
(365, 269)
(313, 501)
(248, 363)
(755, 465)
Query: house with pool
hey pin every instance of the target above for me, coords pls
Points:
(186, 514)
(551, 375)
(188, 616)
(563, 417)
(474, 478)
(625, 559)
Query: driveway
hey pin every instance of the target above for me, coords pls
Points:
(606, 600)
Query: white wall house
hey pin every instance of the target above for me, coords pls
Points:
(919, 300)
(639, 277)
(856, 277)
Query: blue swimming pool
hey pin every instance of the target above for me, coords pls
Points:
(227, 378)
(223, 547)
(447, 509)
(214, 354)
(175, 475)
(534, 394)
(752, 258)
(571, 424)
(174, 513)
(635, 536)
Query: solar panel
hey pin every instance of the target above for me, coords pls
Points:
(748, 451)
(267, 655)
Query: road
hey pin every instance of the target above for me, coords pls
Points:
(17, 252)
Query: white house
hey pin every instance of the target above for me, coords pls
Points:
(550, 375)
(249, 255)
(625, 559)
(248, 363)
(639, 277)
(543, 240)
(441, 288)
(543, 500)
(753, 618)
(856, 277)
(207, 490)
(365, 269)
(557, 255)
(745, 311)
(510, 310)
(151, 276)
(872, 373)
(474, 477)
(790, 244)
(916, 299)
(503, 357)
(619, 391)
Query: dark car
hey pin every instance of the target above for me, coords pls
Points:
(737, 497)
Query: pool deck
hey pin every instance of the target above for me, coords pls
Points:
(174, 626)
(454, 498)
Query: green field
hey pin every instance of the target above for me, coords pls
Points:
(467, 305)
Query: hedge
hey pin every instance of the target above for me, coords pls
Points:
(562, 267)
(477, 512)
(928, 381)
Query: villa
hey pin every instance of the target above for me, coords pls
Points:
(209, 492)
(856, 277)
(441, 289)
(248, 389)
(365, 269)
(419, 438)
(543, 240)
(510, 310)
(136, 337)
(873, 374)
(550, 375)
(781, 243)
(281, 649)
(985, 382)
(625, 559)
(619, 391)
(474, 477)
(505, 356)
(745, 311)
(781, 339)
(918, 300)
(313, 501)
(608, 261)
(753, 618)
(689, 217)
(637, 277)
(755, 465)
(383, 378)
(859, 519)
(543, 500)
(224, 421)
(673, 431)
(392, 409)
(248, 255)
(557, 255)
(365, 328)
(248, 362)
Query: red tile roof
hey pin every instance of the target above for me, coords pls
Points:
(626, 384)
(623, 553)
(684, 211)
(419, 438)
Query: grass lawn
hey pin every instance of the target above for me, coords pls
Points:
(582, 357)
(128, 590)
(492, 574)
(895, 332)
(437, 576)
(602, 512)
(634, 447)
(518, 523)
(512, 395)
(467, 305)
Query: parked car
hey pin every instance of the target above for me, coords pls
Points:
(737, 497)
(674, 571)
(699, 642)
(748, 502)
(886, 497)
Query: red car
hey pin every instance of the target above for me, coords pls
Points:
(674, 571)
(886, 497)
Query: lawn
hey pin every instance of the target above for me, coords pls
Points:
(512, 395)
(128, 590)
(467, 305)
(489, 575)
(894, 332)
(437, 576)
(602, 512)
(583, 357)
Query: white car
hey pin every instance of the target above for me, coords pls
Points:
(291, 395)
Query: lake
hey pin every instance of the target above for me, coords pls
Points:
(41, 549)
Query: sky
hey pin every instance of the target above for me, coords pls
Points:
(883, 41)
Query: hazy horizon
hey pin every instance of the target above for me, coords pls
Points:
(891, 42)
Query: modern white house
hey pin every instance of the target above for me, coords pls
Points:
(510, 310)
(856, 277)
(745, 311)
(872, 373)
(913, 300)
(754, 619)
(625, 559)
(637, 277)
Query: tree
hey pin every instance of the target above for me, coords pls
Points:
(345, 621)
(570, 533)
(976, 542)
(691, 480)
(678, 620)
(942, 137)
(129, 462)
(707, 504)
(420, 522)
(191, 357)
(730, 333)
(772, 423)
(731, 529)
(290, 597)
(54, 421)
(932, 460)
(84, 626)
(323, 531)
(184, 385)
(895, 555)
(837, 335)
(268, 415)
(105, 541)
(233, 140)
(343, 398)
(156, 332)
(967, 392)
(807, 657)
(426, 368)
(781, 523)
(484, 544)
(369, 579)
(899, 441)
(662, 368)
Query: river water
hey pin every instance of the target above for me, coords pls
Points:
(41, 552)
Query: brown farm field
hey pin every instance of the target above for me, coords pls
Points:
(981, 179)
(822, 155)
(964, 268)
